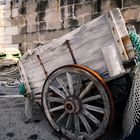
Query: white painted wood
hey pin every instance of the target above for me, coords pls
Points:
(36, 84)
(86, 43)
(122, 31)
(24, 77)
(117, 36)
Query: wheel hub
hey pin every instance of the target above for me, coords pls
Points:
(72, 105)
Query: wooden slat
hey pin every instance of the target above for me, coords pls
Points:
(120, 23)
(37, 84)
(36, 90)
(86, 43)
(117, 36)
(24, 77)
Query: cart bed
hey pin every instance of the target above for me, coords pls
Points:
(86, 44)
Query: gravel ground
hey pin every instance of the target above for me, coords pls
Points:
(14, 124)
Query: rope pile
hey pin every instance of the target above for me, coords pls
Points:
(8, 71)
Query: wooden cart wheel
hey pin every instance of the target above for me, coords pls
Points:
(77, 102)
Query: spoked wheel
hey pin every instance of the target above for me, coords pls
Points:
(77, 102)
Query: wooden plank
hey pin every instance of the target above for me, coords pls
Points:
(36, 78)
(86, 37)
(122, 31)
(117, 37)
(55, 63)
(36, 90)
(37, 84)
(78, 41)
(93, 64)
(31, 61)
(86, 43)
(24, 77)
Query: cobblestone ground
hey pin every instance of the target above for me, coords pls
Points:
(13, 121)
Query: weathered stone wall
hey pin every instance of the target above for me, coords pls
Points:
(28, 24)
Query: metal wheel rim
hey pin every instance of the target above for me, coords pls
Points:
(84, 113)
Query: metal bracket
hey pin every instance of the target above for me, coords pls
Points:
(71, 51)
(42, 65)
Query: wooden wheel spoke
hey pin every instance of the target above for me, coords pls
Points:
(86, 90)
(70, 83)
(76, 124)
(78, 85)
(63, 85)
(77, 102)
(56, 108)
(91, 98)
(85, 123)
(61, 117)
(57, 91)
(91, 117)
(68, 123)
(55, 99)
(94, 108)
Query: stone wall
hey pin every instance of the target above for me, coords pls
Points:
(28, 24)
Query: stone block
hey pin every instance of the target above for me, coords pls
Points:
(31, 19)
(1, 46)
(87, 18)
(73, 22)
(129, 3)
(1, 14)
(8, 2)
(7, 14)
(106, 5)
(21, 20)
(6, 22)
(82, 9)
(7, 40)
(16, 39)
(15, 12)
(12, 30)
(33, 28)
(29, 38)
(42, 26)
(2, 7)
(23, 30)
(14, 21)
(52, 13)
(59, 33)
(1, 40)
(30, 8)
(54, 4)
(53, 24)
(131, 13)
(28, 31)
(42, 5)
(47, 35)
(12, 46)
(2, 31)
(25, 47)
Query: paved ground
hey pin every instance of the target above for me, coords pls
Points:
(13, 125)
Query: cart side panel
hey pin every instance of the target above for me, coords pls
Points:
(86, 43)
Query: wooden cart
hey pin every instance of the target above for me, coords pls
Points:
(70, 74)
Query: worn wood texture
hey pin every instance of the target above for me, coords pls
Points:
(86, 43)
